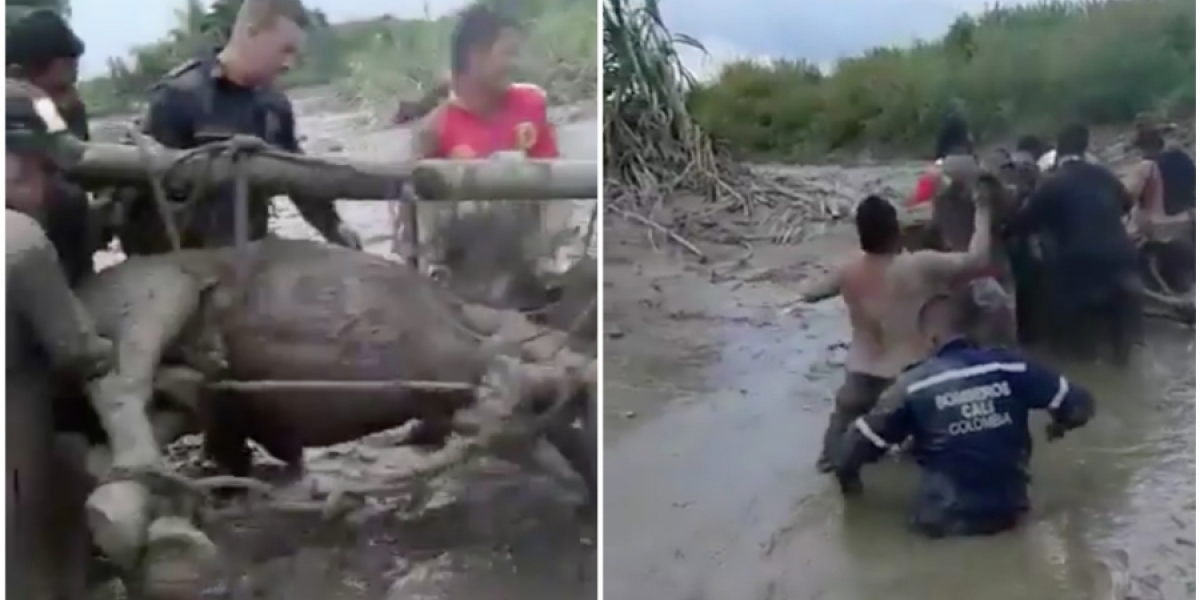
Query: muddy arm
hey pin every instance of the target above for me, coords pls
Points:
(37, 289)
(826, 286)
(319, 212)
(870, 437)
(1070, 406)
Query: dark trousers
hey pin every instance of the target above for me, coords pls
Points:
(1094, 301)
(856, 397)
(943, 510)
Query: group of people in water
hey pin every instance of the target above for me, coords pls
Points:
(53, 229)
(920, 371)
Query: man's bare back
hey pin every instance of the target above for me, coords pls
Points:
(884, 294)
(885, 290)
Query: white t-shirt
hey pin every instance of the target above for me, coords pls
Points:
(1047, 161)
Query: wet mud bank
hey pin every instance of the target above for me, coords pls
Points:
(487, 530)
(714, 408)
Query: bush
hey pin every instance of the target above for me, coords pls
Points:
(1024, 67)
(391, 59)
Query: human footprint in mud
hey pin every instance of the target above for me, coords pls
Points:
(884, 290)
(966, 409)
(50, 338)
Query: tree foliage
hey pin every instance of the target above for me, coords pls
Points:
(62, 7)
(1024, 67)
(375, 59)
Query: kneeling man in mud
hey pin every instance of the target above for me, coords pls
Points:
(884, 289)
(966, 410)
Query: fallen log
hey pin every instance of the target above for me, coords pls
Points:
(338, 177)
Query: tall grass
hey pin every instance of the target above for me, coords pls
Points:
(1102, 61)
(651, 142)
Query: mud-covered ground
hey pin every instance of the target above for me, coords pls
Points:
(714, 406)
(487, 531)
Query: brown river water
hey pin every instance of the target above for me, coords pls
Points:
(485, 531)
(714, 408)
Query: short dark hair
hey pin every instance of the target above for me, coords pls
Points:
(878, 225)
(1073, 139)
(955, 136)
(1031, 144)
(256, 15)
(38, 39)
(1148, 137)
(478, 26)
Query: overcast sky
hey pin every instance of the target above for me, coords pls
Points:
(816, 30)
(819, 30)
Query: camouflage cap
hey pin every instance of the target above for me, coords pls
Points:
(33, 125)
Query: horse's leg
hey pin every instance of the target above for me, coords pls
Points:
(580, 453)
(151, 319)
(72, 542)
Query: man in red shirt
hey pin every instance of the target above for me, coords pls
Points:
(486, 112)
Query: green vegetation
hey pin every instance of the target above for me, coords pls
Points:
(652, 145)
(19, 6)
(387, 60)
(376, 61)
(1105, 62)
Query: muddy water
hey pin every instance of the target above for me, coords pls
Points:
(485, 532)
(710, 489)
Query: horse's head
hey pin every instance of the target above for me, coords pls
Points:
(492, 256)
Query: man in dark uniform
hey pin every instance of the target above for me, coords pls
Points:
(49, 337)
(44, 51)
(966, 410)
(226, 93)
(1090, 258)
(37, 289)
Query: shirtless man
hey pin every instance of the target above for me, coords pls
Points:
(884, 289)
(1149, 220)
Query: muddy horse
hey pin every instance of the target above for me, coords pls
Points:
(1157, 299)
(295, 344)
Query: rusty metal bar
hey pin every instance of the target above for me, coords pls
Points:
(268, 385)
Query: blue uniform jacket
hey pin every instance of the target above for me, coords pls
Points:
(966, 409)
